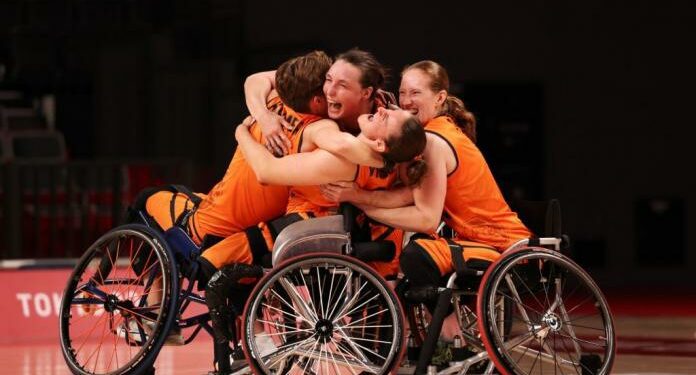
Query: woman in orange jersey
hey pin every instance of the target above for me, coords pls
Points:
(458, 188)
(238, 201)
(353, 87)
(396, 134)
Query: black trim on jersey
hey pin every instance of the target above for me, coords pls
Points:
(454, 150)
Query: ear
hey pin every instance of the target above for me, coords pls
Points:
(317, 104)
(380, 145)
(441, 97)
(367, 92)
(377, 145)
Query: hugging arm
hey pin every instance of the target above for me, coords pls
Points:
(428, 197)
(327, 136)
(349, 192)
(307, 168)
(258, 87)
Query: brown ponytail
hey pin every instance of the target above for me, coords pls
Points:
(465, 120)
(415, 172)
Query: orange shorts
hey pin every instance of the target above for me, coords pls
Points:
(159, 206)
(438, 249)
(383, 232)
(236, 247)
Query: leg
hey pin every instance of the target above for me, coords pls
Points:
(380, 232)
(232, 257)
(223, 313)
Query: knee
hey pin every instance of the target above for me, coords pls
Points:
(419, 268)
(411, 259)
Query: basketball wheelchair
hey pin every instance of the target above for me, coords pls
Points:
(321, 309)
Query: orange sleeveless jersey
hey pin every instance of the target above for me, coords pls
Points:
(309, 199)
(371, 179)
(303, 199)
(474, 206)
(239, 201)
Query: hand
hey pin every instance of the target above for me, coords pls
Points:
(248, 121)
(340, 191)
(276, 141)
(242, 129)
(386, 98)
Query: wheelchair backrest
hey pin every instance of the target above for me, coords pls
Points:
(324, 234)
(543, 218)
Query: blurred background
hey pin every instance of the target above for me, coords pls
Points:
(589, 102)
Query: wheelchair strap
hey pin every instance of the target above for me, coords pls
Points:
(277, 225)
(187, 192)
(257, 244)
(460, 267)
(183, 218)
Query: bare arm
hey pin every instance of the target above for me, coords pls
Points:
(351, 192)
(429, 197)
(307, 168)
(258, 87)
(326, 135)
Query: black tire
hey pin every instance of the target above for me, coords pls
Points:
(558, 316)
(320, 323)
(107, 324)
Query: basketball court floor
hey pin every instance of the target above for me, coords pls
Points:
(646, 345)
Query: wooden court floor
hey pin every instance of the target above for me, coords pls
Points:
(646, 345)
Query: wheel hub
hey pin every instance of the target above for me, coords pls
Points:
(324, 329)
(552, 321)
(111, 303)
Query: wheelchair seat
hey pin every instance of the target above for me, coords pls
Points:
(325, 234)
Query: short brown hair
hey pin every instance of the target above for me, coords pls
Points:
(301, 78)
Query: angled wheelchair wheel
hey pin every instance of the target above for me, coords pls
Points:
(559, 321)
(119, 303)
(323, 314)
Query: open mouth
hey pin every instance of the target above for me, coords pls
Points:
(334, 107)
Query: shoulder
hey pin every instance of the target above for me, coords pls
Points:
(439, 123)
(322, 124)
(435, 141)
(325, 122)
(436, 147)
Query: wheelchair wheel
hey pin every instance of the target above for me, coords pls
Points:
(558, 321)
(419, 317)
(323, 314)
(119, 303)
